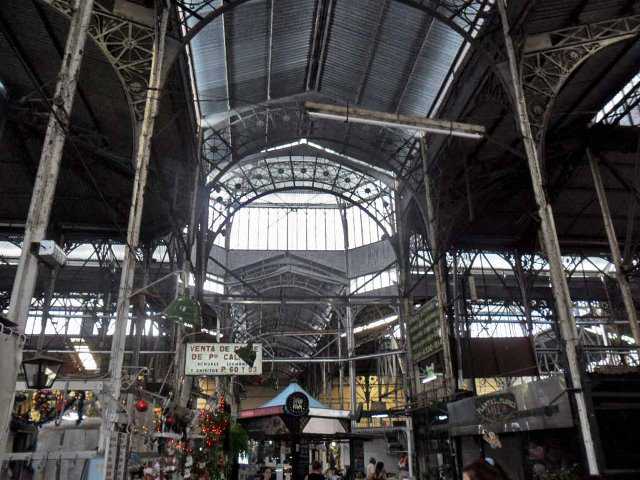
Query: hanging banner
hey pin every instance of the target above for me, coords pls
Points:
(222, 359)
(424, 331)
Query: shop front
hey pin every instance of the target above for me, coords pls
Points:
(528, 429)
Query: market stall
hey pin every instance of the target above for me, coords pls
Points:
(293, 429)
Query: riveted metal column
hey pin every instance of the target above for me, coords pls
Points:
(405, 311)
(44, 188)
(551, 247)
(348, 323)
(143, 154)
(340, 367)
(623, 282)
(353, 383)
(439, 270)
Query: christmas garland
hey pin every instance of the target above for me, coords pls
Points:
(222, 442)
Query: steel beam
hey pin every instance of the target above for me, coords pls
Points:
(143, 155)
(45, 185)
(392, 120)
(550, 244)
(623, 282)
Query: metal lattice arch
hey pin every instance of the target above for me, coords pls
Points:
(282, 171)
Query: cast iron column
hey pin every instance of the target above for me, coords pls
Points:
(44, 193)
(551, 245)
(623, 282)
(143, 154)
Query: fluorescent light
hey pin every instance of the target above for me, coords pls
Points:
(429, 378)
(212, 333)
(374, 324)
(380, 415)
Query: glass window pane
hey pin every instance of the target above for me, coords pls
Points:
(292, 223)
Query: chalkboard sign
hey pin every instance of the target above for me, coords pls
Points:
(424, 331)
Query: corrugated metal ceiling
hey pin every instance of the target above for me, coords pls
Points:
(392, 54)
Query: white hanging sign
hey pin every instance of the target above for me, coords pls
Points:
(221, 359)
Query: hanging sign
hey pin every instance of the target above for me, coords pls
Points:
(222, 359)
(297, 404)
(424, 331)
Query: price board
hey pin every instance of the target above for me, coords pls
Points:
(220, 359)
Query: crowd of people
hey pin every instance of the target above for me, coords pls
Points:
(481, 469)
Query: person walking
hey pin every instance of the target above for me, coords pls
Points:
(316, 472)
(371, 468)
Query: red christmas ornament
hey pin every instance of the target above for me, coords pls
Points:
(171, 421)
(142, 405)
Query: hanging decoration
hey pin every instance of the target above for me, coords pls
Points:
(142, 405)
(222, 441)
(42, 405)
(184, 310)
(47, 406)
(214, 424)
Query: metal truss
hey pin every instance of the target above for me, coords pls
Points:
(270, 125)
(619, 110)
(128, 47)
(244, 184)
(461, 15)
(550, 59)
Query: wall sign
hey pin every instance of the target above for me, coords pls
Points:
(297, 405)
(495, 407)
(220, 359)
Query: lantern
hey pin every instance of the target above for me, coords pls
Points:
(41, 371)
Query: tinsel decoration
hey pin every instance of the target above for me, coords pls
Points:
(42, 404)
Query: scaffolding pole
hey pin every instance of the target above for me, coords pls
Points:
(43, 195)
(143, 154)
(623, 282)
(551, 246)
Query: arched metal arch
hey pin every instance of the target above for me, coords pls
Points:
(545, 72)
(234, 208)
(128, 47)
(302, 150)
(320, 320)
(268, 125)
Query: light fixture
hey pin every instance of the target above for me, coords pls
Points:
(430, 375)
(41, 371)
